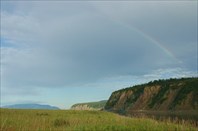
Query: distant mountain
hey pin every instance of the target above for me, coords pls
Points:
(31, 106)
(160, 95)
(90, 105)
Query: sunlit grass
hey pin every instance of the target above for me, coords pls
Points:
(39, 120)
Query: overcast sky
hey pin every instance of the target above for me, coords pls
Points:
(62, 53)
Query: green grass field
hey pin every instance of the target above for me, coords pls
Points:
(52, 120)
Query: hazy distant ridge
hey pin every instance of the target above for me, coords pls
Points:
(31, 106)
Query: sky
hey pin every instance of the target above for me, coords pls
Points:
(63, 52)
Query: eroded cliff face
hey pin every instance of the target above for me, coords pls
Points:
(172, 94)
(82, 107)
(99, 105)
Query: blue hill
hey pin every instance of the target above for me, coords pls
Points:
(31, 106)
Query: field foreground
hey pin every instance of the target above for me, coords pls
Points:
(50, 120)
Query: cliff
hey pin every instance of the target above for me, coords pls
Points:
(161, 95)
(89, 105)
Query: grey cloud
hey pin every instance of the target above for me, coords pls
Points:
(73, 45)
(170, 21)
(172, 24)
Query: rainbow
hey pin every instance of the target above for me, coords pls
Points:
(156, 43)
(153, 41)
(145, 36)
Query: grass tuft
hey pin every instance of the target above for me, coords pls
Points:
(61, 122)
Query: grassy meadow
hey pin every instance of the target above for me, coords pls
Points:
(52, 120)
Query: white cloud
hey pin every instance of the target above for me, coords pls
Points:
(19, 29)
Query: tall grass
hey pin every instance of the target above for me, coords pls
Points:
(52, 120)
(187, 117)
